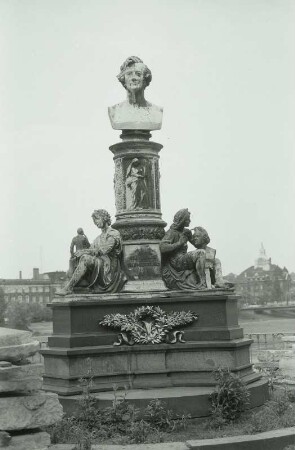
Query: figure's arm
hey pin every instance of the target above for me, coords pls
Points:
(87, 251)
(87, 242)
(106, 247)
(167, 245)
(72, 247)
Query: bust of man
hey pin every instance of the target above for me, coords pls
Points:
(135, 113)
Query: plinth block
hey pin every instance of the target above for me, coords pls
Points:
(213, 340)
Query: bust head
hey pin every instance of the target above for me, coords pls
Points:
(101, 218)
(200, 237)
(80, 231)
(182, 219)
(135, 113)
(134, 74)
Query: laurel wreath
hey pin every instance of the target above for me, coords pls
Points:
(149, 325)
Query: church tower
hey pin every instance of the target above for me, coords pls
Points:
(262, 262)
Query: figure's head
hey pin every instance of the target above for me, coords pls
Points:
(200, 236)
(134, 74)
(80, 231)
(135, 162)
(101, 218)
(182, 218)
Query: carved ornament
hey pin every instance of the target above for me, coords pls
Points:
(131, 233)
(149, 325)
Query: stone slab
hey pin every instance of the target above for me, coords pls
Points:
(270, 440)
(30, 441)
(10, 336)
(161, 446)
(181, 400)
(27, 377)
(144, 366)
(16, 345)
(29, 411)
(63, 447)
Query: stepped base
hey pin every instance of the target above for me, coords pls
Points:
(181, 400)
(80, 347)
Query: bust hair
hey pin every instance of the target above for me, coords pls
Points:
(180, 217)
(205, 235)
(103, 214)
(129, 63)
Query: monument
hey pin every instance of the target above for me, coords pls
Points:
(147, 313)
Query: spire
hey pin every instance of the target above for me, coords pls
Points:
(262, 262)
(262, 251)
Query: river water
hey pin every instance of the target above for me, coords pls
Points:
(259, 323)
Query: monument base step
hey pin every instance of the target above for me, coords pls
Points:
(194, 401)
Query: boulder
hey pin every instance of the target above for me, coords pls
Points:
(23, 378)
(16, 345)
(30, 441)
(29, 411)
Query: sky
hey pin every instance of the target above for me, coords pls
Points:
(224, 72)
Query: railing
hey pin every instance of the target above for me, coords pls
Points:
(269, 341)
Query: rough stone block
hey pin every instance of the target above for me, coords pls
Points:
(30, 441)
(270, 440)
(16, 345)
(22, 378)
(162, 446)
(64, 447)
(29, 411)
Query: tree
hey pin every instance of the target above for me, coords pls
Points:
(2, 308)
(19, 316)
(276, 294)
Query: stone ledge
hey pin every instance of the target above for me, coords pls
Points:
(272, 440)
(162, 446)
(187, 346)
(63, 447)
(138, 297)
(182, 400)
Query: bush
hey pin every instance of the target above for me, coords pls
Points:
(2, 308)
(276, 413)
(230, 398)
(122, 421)
(20, 315)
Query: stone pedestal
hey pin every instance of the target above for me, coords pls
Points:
(138, 209)
(214, 340)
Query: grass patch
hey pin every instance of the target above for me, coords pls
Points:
(122, 423)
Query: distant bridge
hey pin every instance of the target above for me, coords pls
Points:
(274, 310)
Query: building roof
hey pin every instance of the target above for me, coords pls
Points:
(257, 272)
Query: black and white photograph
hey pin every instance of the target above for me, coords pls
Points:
(147, 234)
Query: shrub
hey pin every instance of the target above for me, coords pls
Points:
(121, 421)
(2, 308)
(20, 315)
(276, 413)
(229, 399)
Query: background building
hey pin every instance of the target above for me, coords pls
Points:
(264, 282)
(39, 289)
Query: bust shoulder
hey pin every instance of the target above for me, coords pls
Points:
(125, 116)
